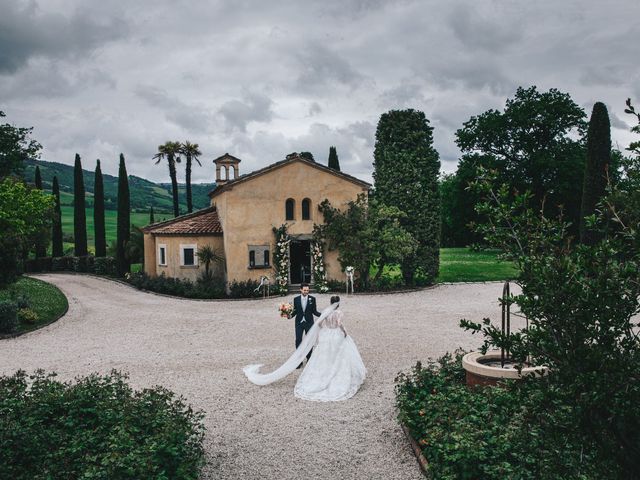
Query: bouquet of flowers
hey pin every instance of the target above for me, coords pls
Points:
(286, 309)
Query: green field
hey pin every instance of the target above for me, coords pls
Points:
(110, 222)
(464, 265)
(44, 299)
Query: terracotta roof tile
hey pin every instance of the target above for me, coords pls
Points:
(204, 221)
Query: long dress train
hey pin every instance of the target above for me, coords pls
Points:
(334, 372)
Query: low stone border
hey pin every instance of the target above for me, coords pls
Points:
(4, 336)
(422, 461)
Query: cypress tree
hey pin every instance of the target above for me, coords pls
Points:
(333, 159)
(41, 238)
(595, 172)
(124, 220)
(79, 214)
(98, 213)
(38, 179)
(406, 170)
(151, 216)
(56, 247)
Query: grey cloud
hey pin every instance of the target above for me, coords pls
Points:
(314, 109)
(46, 78)
(477, 30)
(320, 68)
(617, 122)
(605, 75)
(254, 107)
(25, 32)
(190, 117)
(405, 95)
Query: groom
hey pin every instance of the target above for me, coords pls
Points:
(304, 308)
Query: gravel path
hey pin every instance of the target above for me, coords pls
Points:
(197, 349)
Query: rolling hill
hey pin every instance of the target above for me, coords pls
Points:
(143, 193)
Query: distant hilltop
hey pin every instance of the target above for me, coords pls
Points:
(143, 193)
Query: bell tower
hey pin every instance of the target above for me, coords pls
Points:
(227, 168)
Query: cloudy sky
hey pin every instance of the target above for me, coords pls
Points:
(262, 79)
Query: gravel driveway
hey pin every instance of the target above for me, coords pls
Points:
(197, 349)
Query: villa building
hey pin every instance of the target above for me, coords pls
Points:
(240, 220)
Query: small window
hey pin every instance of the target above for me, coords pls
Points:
(259, 256)
(162, 255)
(289, 208)
(188, 256)
(306, 209)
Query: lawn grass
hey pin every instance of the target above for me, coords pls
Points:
(464, 265)
(110, 222)
(45, 299)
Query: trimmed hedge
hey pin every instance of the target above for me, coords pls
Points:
(105, 266)
(96, 428)
(40, 264)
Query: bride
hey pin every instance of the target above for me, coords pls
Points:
(335, 370)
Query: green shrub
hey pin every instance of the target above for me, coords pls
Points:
(96, 428)
(245, 289)
(41, 264)
(8, 316)
(493, 432)
(62, 264)
(28, 316)
(22, 301)
(105, 266)
(84, 264)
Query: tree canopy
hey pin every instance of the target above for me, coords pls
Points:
(15, 147)
(536, 144)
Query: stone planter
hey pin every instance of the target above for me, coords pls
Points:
(485, 369)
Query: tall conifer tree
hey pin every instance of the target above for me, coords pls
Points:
(38, 179)
(79, 214)
(56, 244)
(333, 159)
(98, 213)
(41, 239)
(406, 169)
(124, 219)
(151, 216)
(595, 172)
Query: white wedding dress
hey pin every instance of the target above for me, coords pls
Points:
(335, 370)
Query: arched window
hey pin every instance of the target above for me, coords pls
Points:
(306, 209)
(232, 172)
(290, 208)
(225, 174)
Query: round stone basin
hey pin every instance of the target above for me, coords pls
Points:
(485, 369)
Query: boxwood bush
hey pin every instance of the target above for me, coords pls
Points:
(95, 428)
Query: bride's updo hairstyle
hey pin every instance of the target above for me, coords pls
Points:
(335, 299)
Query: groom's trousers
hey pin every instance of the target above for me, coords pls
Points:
(303, 327)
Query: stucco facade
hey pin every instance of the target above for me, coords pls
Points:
(174, 245)
(248, 208)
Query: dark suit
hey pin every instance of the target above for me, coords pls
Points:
(306, 315)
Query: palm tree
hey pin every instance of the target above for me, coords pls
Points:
(171, 151)
(208, 255)
(190, 152)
